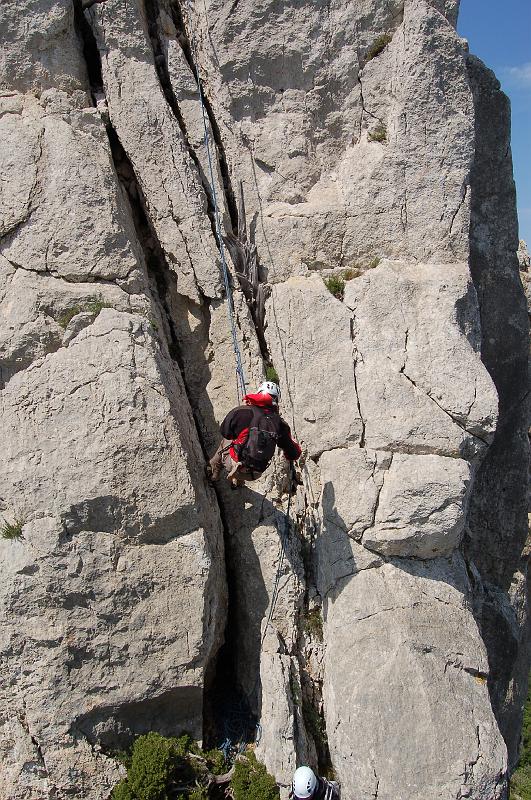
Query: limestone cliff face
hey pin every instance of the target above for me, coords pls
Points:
(139, 598)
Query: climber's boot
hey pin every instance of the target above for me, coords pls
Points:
(212, 473)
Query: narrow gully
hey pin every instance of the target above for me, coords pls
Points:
(225, 707)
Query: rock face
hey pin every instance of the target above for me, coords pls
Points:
(384, 634)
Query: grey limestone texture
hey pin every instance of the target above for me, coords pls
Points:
(383, 635)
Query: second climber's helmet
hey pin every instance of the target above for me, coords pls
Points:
(304, 783)
(270, 388)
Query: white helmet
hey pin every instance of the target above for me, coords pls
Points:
(273, 389)
(304, 783)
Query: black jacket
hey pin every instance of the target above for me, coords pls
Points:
(238, 420)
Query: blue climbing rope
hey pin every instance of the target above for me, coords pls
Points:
(237, 729)
(240, 374)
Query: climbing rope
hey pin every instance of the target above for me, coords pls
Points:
(240, 374)
(237, 730)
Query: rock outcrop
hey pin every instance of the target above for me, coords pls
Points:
(383, 635)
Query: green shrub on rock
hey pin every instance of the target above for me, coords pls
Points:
(161, 768)
(377, 46)
(379, 134)
(122, 791)
(335, 285)
(153, 762)
(272, 374)
(252, 781)
(13, 530)
(168, 768)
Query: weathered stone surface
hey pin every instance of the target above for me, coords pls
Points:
(498, 523)
(40, 48)
(116, 594)
(35, 308)
(422, 507)
(103, 551)
(304, 112)
(414, 324)
(321, 419)
(277, 678)
(167, 174)
(404, 632)
(524, 260)
(68, 217)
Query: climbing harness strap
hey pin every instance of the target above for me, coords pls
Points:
(240, 375)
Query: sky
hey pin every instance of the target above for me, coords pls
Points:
(499, 32)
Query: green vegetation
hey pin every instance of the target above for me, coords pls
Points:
(351, 272)
(97, 304)
(313, 623)
(379, 134)
(167, 768)
(94, 305)
(272, 374)
(157, 763)
(521, 778)
(251, 780)
(377, 46)
(64, 318)
(335, 285)
(374, 263)
(315, 726)
(13, 530)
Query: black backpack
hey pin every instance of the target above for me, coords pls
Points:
(258, 449)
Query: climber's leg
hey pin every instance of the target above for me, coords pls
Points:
(219, 460)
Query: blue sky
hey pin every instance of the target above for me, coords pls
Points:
(499, 32)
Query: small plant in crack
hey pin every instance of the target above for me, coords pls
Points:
(97, 304)
(153, 323)
(64, 318)
(272, 374)
(377, 46)
(93, 305)
(335, 285)
(314, 724)
(13, 530)
(374, 262)
(352, 272)
(313, 624)
(378, 134)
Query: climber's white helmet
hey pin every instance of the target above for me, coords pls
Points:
(304, 783)
(270, 388)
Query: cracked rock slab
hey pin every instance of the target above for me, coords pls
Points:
(156, 146)
(422, 385)
(73, 222)
(405, 686)
(115, 594)
(422, 507)
(314, 362)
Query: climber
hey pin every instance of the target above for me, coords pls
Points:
(307, 785)
(251, 433)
